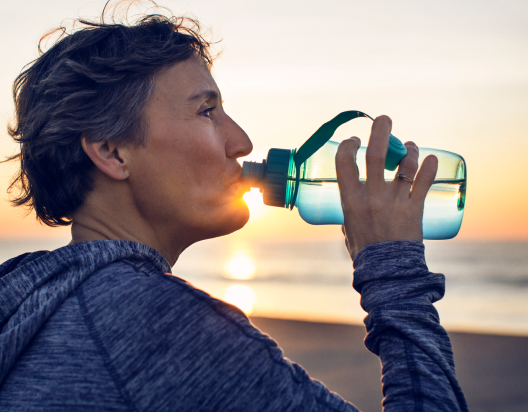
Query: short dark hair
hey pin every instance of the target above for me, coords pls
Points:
(93, 83)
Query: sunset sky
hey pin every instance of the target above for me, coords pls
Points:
(452, 75)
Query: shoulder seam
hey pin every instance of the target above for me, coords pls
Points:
(228, 318)
(102, 350)
(296, 379)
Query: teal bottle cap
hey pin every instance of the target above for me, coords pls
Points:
(270, 176)
(395, 153)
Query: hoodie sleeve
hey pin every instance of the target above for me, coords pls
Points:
(403, 328)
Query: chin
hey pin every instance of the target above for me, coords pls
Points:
(239, 219)
(230, 222)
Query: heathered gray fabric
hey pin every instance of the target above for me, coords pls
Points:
(397, 291)
(100, 326)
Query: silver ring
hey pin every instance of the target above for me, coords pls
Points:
(401, 176)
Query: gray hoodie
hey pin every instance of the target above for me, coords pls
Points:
(103, 325)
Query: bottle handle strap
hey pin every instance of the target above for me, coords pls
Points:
(397, 150)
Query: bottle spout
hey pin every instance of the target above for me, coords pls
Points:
(254, 173)
(270, 176)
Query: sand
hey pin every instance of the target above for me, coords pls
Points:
(492, 370)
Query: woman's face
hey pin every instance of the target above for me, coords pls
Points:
(186, 179)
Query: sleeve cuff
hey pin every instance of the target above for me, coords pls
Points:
(395, 273)
(393, 251)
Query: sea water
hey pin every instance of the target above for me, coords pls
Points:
(486, 282)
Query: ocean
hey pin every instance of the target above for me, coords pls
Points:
(486, 282)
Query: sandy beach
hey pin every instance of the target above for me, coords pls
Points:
(492, 369)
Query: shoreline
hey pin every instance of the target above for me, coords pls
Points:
(491, 369)
(450, 328)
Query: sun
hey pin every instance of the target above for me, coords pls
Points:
(257, 208)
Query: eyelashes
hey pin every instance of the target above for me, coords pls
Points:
(207, 111)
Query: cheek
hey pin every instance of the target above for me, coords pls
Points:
(190, 154)
(194, 169)
(199, 163)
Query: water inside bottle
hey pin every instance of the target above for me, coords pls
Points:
(319, 202)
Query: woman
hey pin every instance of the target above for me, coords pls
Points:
(123, 136)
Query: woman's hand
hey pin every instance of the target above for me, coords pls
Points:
(377, 211)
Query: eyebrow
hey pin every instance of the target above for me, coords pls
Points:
(204, 95)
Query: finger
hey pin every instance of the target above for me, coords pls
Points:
(408, 167)
(424, 178)
(346, 167)
(377, 150)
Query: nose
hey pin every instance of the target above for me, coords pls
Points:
(238, 143)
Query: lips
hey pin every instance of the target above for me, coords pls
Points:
(239, 188)
(238, 184)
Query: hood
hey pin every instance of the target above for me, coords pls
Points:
(34, 285)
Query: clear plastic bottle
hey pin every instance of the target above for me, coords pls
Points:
(318, 201)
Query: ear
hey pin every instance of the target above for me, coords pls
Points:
(108, 157)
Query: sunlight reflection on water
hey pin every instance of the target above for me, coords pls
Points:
(240, 266)
(241, 296)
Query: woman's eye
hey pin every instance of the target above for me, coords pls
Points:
(207, 112)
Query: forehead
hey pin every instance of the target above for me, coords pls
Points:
(181, 82)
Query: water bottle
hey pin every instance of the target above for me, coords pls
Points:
(306, 179)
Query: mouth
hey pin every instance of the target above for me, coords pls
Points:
(238, 185)
(240, 188)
